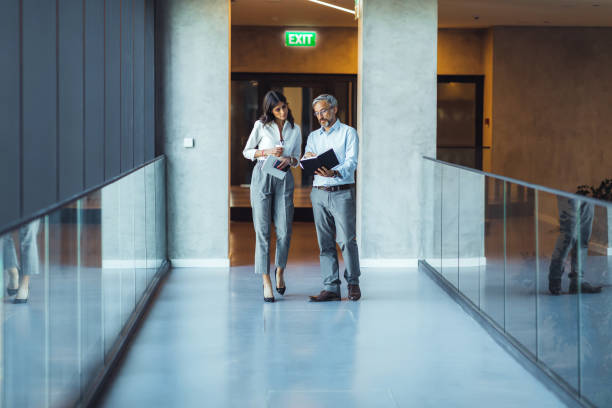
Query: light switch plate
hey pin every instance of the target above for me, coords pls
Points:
(188, 142)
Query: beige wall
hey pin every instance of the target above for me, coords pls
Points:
(552, 117)
(461, 52)
(262, 49)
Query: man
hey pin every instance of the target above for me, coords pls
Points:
(333, 200)
(571, 211)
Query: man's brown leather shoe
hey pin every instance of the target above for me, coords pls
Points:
(354, 292)
(325, 296)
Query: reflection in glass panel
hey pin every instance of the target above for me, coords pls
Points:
(139, 235)
(69, 285)
(557, 315)
(492, 276)
(149, 213)
(25, 340)
(111, 263)
(450, 224)
(2, 319)
(63, 306)
(432, 229)
(126, 245)
(471, 233)
(521, 265)
(160, 209)
(92, 345)
(593, 252)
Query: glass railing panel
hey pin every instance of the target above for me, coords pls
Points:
(492, 284)
(150, 224)
(112, 265)
(557, 315)
(127, 245)
(520, 276)
(82, 269)
(450, 224)
(25, 338)
(140, 232)
(160, 209)
(63, 306)
(92, 328)
(471, 234)
(592, 252)
(2, 300)
(432, 215)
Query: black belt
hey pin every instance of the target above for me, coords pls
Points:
(331, 189)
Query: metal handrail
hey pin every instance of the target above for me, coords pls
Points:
(550, 190)
(56, 206)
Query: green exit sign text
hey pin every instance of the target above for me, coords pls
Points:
(300, 38)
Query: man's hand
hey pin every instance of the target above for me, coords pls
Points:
(284, 162)
(276, 151)
(309, 154)
(323, 172)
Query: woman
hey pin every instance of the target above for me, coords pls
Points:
(28, 249)
(274, 134)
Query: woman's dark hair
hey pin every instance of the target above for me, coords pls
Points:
(271, 99)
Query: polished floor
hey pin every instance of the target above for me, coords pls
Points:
(210, 340)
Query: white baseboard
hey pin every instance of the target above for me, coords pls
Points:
(200, 263)
(457, 262)
(389, 263)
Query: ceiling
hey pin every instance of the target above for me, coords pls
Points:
(451, 13)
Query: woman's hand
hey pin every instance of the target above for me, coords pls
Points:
(284, 162)
(276, 151)
(309, 154)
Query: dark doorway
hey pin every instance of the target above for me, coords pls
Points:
(460, 111)
(248, 90)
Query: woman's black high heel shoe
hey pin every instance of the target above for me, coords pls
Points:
(281, 290)
(13, 281)
(268, 299)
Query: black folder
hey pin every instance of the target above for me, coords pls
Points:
(327, 160)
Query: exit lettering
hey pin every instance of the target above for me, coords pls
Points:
(300, 39)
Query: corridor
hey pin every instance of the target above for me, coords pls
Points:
(210, 340)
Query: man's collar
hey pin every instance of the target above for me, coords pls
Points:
(335, 126)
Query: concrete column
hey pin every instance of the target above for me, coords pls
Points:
(397, 126)
(194, 66)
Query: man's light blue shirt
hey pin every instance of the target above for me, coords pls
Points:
(343, 139)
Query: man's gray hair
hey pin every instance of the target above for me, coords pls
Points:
(327, 98)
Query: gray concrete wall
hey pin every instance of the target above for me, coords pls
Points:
(397, 126)
(194, 66)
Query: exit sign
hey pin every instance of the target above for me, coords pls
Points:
(300, 38)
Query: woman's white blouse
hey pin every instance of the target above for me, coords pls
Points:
(267, 137)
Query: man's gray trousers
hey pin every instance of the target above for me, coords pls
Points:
(335, 220)
(575, 222)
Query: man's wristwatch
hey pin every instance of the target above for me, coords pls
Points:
(336, 174)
